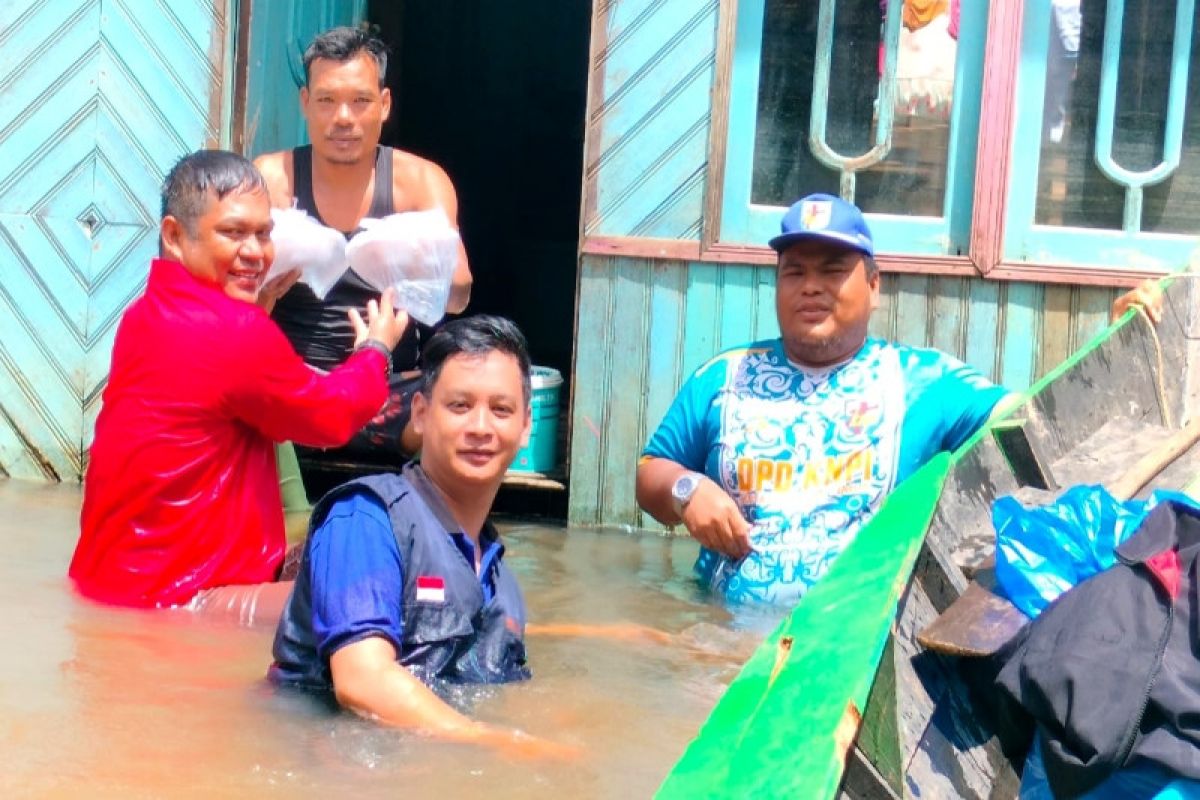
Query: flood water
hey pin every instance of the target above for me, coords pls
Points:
(103, 702)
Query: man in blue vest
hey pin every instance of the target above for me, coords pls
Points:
(403, 582)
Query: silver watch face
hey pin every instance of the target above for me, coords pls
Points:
(684, 487)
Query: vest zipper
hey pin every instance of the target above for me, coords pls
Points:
(1131, 736)
(488, 563)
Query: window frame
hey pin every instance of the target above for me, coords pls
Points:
(992, 221)
(746, 221)
(1071, 247)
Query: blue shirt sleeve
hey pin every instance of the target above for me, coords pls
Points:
(688, 430)
(946, 403)
(967, 399)
(357, 576)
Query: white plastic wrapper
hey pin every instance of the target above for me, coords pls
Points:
(414, 253)
(305, 244)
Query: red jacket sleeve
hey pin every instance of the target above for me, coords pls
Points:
(283, 398)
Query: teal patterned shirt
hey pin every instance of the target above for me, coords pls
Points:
(810, 454)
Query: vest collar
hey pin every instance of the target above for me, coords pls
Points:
(1169, 525)
(424, 487)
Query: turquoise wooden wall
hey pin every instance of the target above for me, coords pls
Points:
(644, 324)
(97, 99)
(280, 30)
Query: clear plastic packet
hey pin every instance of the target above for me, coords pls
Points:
(414, 253)
(301, 242)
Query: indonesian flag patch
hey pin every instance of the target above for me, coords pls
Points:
(431, 589)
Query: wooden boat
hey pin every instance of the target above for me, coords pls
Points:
(841, 700)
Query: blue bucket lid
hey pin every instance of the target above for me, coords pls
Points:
(544, 378)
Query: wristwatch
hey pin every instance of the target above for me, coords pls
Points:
(683, 488)
(383, 350)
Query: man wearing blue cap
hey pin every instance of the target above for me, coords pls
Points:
(774, 454)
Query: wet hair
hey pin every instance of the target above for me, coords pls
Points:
(474, 336)
(342, 45)
(200, 177)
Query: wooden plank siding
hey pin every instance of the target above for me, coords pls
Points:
(646, 324)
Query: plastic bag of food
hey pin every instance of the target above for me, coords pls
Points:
(303, 243)
(414, 253)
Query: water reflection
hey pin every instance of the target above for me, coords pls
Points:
(925, 63)
(1061, 66)
(119, 703)
(1071, 190)
(911, 179)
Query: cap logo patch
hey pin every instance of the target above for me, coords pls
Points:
(815, 215)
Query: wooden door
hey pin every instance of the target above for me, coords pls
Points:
(98, 98)
(279, 33)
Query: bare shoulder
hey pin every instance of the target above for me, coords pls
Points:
(419, 182)
(276, 169)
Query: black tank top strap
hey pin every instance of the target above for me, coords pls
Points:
(302, 185)
(381, 199)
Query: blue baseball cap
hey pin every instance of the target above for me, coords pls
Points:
(823, 216)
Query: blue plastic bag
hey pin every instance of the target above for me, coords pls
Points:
(1043, 551)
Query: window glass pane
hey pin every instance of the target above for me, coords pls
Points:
(1072, 190)
(912, 177)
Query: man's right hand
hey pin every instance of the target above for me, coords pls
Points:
(714, 520)
(368, 680)
(384, 323)
(524, 746)
(270, 292)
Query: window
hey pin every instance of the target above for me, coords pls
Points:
(1108, 135)
(809, 112)
(880, 101)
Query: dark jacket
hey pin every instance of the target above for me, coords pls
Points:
(1110, 671)
(450, 630)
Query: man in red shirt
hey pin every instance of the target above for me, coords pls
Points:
(181, 494)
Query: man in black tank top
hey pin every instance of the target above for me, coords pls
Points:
(319, 329)
(342, 177)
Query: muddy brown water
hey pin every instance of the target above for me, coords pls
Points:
(103, 702)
